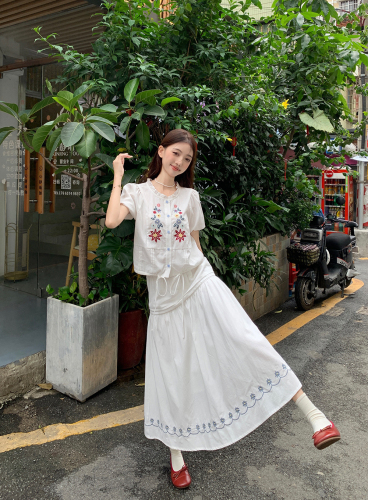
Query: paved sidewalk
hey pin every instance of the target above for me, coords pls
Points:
(277, 461)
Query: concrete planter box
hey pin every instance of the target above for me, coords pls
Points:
(81, 346)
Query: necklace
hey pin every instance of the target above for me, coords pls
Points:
(165, 184)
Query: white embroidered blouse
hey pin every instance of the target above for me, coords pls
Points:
(163, 245)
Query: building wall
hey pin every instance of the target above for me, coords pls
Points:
(9, 92)
(255, 301)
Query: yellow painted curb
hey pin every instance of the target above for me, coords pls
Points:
(293, 325)
(57, 432)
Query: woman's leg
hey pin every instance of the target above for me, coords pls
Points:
(177, 460)
(180, 476)
(314, 416)
(325, 433)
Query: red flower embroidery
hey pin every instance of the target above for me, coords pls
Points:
(155, 235)
(158, 204)
(180, 234)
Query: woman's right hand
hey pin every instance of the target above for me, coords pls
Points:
(118, 164)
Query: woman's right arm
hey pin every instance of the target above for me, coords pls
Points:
(116, 212)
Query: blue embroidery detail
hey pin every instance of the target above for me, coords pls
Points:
(179, 217)
(214, 427)
(156, 218)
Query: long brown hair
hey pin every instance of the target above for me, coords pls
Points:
(186, 179)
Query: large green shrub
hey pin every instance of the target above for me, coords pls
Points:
(231, 80)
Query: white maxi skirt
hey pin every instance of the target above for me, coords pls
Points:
(211, 376)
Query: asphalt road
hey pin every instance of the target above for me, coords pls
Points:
(277, 461)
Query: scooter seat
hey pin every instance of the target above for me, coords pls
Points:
(338, 241)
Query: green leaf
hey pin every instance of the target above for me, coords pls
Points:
(188, 7)
(87, 145)
(110, 108)
(364, 58)
(111, 266)
(65, 94)
(13, 106)
(52, 138)
(130, 89)
(168, 100)
(7, 109)
(79, 93)
(300, 19)
(81, 299)
(125, 123)
(27, 136)
(126, 228)
(61, 118)
(319, 121)
(104, 130)
(145, 95)
(63, 102)
(24, 118)
(71, 133)
(154, 111)
(143, 135)
(131, 176)
(40, 136)
(106, 159)
(4, 132)
(73, 287)
(305, 41)
(96, 118)
(257, 3)
(49, 290)
(54, 146)
(42, 104)
(49, 86)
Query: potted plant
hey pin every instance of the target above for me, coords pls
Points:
(115, 263)
(82, 320)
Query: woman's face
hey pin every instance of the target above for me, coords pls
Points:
(176, 158)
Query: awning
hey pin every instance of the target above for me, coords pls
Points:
(72, 20)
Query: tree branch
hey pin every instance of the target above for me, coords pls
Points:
(98, 166)
(95, 199)
(70, 175)
(96, 213)
(288, 142)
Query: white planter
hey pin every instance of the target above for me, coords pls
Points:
(81, 346)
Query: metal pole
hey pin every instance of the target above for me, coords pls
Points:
(364, 106)
(361, 194)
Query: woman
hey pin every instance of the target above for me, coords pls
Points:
(211, 376)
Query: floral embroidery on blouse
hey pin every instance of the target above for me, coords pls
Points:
(178, 224)
(180, 234)
(156, 217)
(155, 235)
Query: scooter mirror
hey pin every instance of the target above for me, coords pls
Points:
(340, 200)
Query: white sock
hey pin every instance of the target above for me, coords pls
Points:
(177, 460)
(314, 416)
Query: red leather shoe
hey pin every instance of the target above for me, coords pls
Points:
(325, 437)
(181, 478)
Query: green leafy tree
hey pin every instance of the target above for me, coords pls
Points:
(245, 95)
(81, 128)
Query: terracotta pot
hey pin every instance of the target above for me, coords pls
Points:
(131, 339)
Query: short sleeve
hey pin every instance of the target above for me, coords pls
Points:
(129, 198)
(196, 217)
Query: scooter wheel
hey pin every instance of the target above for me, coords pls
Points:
(304, 296)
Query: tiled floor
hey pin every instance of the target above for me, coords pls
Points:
(22, 325)
(22, 313)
